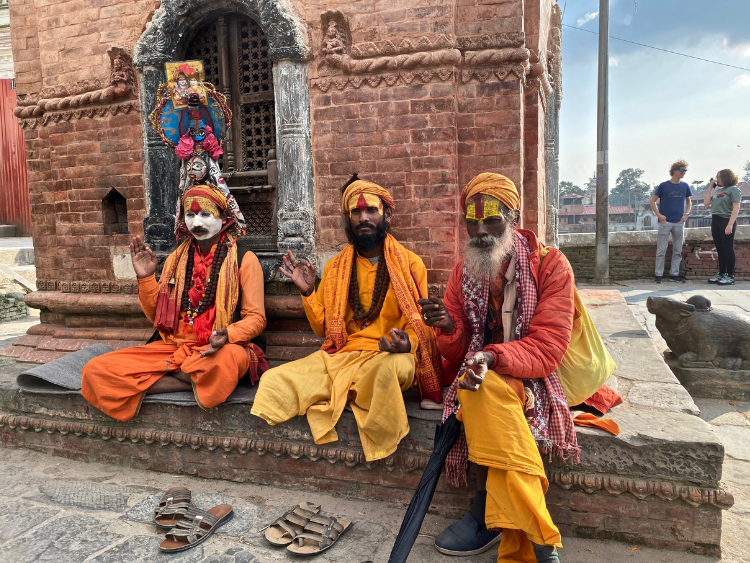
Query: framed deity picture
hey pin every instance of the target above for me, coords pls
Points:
(186, 78)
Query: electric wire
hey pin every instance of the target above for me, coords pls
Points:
(659, 48)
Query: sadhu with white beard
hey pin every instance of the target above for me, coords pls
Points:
(504, 326)
(192, 306)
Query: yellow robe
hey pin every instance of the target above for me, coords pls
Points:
(371, 381)
(516, 481)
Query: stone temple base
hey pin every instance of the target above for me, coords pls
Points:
(713, 383)
(658, 483)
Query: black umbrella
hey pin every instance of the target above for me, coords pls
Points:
(445, 436)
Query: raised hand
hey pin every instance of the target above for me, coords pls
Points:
(301, 272)
(218, 338)
(143, 258)
(400, 345)
(477, 365)
(435, 314)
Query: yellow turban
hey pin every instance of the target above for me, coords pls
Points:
(360, 193)
(494, 185)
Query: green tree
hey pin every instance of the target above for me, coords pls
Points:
(629, 188)
(568, 188)
(746, 170)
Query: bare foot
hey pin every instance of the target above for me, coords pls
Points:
(169, 384)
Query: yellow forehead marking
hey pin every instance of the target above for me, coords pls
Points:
(198, 204)
(482, 206)
(364, 200)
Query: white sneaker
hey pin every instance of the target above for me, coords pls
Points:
(715, 279)
(726, 280)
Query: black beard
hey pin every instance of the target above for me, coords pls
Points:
(366, 243)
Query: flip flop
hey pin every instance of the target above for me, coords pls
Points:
(172, 507)
(282, 532)
(195, 528)
(320, 533)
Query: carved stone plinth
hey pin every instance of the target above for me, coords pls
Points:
(712, 383)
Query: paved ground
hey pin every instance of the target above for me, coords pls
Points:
(64, 511)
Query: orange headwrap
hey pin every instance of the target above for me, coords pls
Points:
(493, 185)
(204, 197)
(363, 189)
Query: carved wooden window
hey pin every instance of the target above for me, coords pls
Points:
(234, 51)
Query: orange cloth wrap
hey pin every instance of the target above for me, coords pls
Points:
(493, 185)
(360, 187)
(429, 365)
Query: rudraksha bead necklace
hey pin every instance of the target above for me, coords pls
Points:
(379, 291)
(209, 295)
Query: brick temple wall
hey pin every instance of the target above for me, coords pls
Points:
(60, 49)
(447, 90)
(632, 255)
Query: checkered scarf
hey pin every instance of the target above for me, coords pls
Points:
(549, 418)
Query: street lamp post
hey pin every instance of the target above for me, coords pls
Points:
(601, 255)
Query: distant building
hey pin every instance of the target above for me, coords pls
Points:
(700, 215)
(577, 217)
(6, 57)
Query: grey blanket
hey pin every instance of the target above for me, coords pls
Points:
(63, 377)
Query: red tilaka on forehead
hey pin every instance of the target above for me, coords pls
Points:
(362, 203)
(195, 207)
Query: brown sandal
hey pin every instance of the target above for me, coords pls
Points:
(172, 507)
(282, 532)
(195, 528)
(320, 530)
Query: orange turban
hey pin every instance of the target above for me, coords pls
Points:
(361, 189)
(204, 197)
(494, 185)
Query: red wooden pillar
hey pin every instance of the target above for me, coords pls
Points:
(14, 187)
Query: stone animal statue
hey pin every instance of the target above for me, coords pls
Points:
(701, 337)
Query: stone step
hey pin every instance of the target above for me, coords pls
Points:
(8, 231)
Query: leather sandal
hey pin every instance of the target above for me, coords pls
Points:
(195, 528)
(320, 533)
(285, 529)
(172, 507)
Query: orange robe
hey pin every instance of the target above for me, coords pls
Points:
(116, 382)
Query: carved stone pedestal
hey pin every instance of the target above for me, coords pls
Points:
(713, 383)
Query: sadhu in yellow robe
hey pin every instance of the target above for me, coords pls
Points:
(350, 367)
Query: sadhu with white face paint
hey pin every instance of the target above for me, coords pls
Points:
(192, 306)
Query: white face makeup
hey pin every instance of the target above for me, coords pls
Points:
(203, 225)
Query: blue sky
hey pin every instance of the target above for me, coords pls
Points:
(661, 106)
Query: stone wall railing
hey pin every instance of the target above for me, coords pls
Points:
(632, 254)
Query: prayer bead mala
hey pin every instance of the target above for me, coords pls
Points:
(209, 295)
(379, 291)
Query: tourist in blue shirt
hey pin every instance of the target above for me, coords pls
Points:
(674, 208)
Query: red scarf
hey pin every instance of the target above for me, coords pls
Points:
(203, 324)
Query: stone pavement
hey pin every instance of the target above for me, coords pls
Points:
(63, 511)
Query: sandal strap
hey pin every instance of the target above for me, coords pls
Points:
(177, 502)
(191, 526)
(316, 531)
(171, 508)
(287, 528)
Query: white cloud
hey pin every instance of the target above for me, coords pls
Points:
(614, 61)
(628, 19)
(743, 79)
(587, 18)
